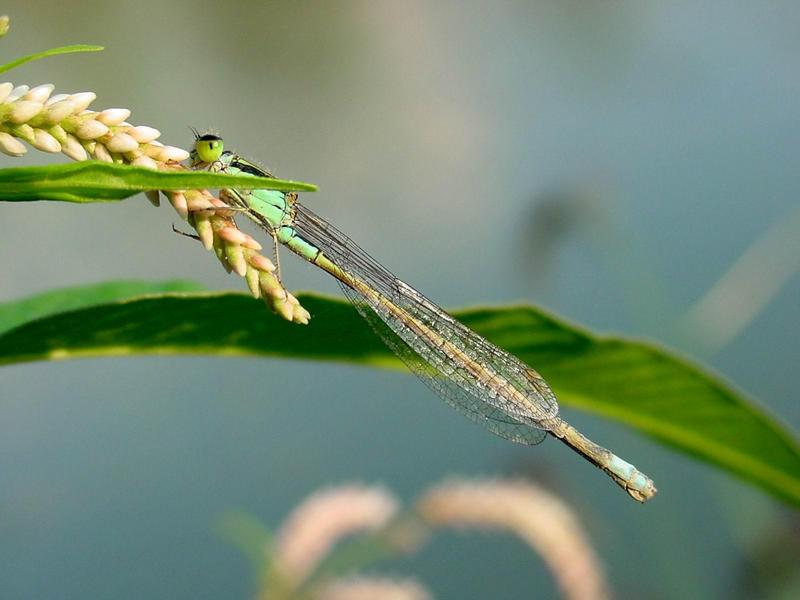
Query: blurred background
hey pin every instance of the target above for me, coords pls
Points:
(608, 161)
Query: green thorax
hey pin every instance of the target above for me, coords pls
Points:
(271, 209)
(273, 205)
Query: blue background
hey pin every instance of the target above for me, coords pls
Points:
(608, 161)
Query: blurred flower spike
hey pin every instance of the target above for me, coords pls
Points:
(300, 562)
(543, 521)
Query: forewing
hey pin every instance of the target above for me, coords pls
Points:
(433, 359)
(455, 395)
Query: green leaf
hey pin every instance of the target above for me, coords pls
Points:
(52, 52)
(17, 313)
(94, 181)
(632, 382)
(247, 533)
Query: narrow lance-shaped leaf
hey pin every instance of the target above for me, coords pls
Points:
(51, 52)
(631, 382)
(94, 181)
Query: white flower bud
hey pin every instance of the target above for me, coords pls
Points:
(150, 150)
(282, 308)
(172, 153)
(90, 129)
(143, 134)
(72, 148)
(56, 98)
(11, 145)
(40, 93)
(45, 142)
(146, 162)
(122, 142)
(82, 100)
(58, 132)
(5, 90)
(17, 93)
(113, 116)
(25, 132)
(299, 314)
(23, 111)
(58, 111)
(178, 201)
(100, 153)
(252, 282)
(204, 230)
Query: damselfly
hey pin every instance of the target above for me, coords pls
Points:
(470, 373)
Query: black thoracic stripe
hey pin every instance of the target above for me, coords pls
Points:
(249, 168)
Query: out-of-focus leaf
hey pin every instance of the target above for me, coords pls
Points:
(17, 313)
(632, 382)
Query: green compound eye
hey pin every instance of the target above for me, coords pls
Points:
(208, 147)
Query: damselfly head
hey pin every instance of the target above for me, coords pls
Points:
(208, 147)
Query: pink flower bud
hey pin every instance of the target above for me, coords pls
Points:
(232, 235)
(198, 203)
(251, 244)
(235, 255)
(271, 286)
(261, 262)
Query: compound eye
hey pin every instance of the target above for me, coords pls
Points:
(209, 150)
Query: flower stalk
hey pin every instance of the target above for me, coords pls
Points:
(64, 123)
